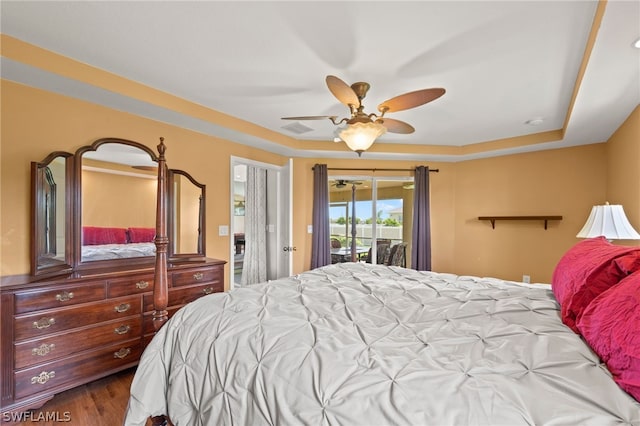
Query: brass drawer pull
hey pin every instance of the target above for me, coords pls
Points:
(123, 329)
(44, 323)
(198, 276)
(142, 284)
(122, 353)
(123, 307)
(208, 290)
(43, 378)
(43, 349)
(64, 296)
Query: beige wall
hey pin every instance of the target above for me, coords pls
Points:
(623, 169)
(36, 122)
(114, 200)
(563, 182)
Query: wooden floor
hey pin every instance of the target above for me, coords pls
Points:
(99, 403)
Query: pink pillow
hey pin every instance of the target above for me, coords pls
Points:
(95, 235)
(141, 235)
(611, 326)
(588, 269)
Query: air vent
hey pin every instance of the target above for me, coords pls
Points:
(297, 128)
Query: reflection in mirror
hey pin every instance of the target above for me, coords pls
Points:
(50, 194)
(187, 210)
(118, 197)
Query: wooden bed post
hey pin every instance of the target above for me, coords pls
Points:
(160, 288)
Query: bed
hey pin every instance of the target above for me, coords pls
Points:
(106, 243)
(362, 344)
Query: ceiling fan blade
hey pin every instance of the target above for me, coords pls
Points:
(410, 100)
(342, 91)
(312, 117)
(396, 126)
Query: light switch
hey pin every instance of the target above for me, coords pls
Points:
(223, 230)
(309, 229)
(271, 228)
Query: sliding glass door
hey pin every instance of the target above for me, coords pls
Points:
(371, 219)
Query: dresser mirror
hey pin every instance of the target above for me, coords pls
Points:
(117, 202)
(97, 209)
(186, 216)
(51, 201)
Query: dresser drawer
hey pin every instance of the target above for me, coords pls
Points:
(184, 295)
(35, 300)
(78, 367)
(130, 285)
(55, 346)
(53, 321)
(198, 276)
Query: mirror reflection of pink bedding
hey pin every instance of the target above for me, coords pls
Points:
(104, 243)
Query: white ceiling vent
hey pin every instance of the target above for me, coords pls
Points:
(297, 128)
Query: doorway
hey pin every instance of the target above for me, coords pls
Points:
(275, 236)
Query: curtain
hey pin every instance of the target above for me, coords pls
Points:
(421, 236)
(320, 245)
(254, 269)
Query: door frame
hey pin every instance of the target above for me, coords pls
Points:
(284, 206)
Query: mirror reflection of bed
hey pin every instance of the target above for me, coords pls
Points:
(118, 203)
(118, 206)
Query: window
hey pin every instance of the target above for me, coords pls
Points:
(383, 217)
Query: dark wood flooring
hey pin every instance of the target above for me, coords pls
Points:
(99, 403)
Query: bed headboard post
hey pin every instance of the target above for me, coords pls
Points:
(160, 288)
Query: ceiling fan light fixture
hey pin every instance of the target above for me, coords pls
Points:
(360, 136)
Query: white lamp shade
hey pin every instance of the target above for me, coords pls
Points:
(608, 221)
(360, 136)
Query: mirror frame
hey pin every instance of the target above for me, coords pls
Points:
(42, 263)
(200, 254)
(44, 266)
(78, 263)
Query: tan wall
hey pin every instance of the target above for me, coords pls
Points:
(113, 200)
(36, 122)
(623, 169)
(565, 182)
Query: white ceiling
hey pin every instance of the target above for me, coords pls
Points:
(502, 63)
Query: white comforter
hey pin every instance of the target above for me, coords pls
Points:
(117, 251)
(359, 344)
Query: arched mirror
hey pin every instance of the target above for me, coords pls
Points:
(51, 201)
(97, 209)
(116, 208)
(186, 217)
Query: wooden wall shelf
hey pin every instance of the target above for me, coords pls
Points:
(493, 219)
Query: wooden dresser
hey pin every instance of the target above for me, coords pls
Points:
(59, 333)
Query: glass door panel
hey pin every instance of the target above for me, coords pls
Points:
(383, 217)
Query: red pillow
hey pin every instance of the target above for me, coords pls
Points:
(141, 235)
(611, 326)
(94, 235)
(588, 269)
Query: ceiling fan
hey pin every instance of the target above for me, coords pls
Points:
(374, 124)
(341, 183)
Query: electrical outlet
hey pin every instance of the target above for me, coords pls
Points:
(526, 279)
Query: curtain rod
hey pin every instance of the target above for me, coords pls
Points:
(376, 170)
